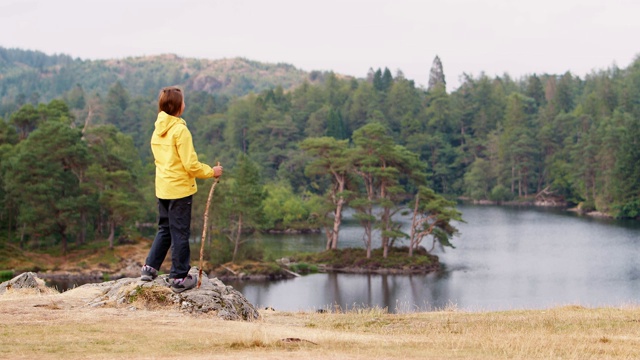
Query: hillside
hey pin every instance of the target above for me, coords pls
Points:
(27, 75)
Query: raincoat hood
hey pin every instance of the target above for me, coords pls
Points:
(165, 122)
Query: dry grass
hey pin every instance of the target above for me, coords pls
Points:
(57, 326)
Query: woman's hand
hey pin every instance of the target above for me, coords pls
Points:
(217, 171)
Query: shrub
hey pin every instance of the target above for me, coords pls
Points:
(500, 193)
(6, 275)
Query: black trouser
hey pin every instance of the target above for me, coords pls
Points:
(173, 232)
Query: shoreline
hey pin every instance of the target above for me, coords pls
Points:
(542, 204)
(94, 276)
(130, 268)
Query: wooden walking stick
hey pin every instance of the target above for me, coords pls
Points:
(204, 227)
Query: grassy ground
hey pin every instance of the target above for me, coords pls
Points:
(59, 326)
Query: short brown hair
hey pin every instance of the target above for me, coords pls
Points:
(170, 100)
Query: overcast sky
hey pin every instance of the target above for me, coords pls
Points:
(346, 36)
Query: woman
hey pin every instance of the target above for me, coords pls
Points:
(177, 167)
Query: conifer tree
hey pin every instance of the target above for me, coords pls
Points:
(25, 120)
(112, 177)
(330, 159)
(50, 164)
(377, 80)
(384, 169)
(335, 125)
(387, 80)
(242, 202)
(433, 215)
(436, 75)
(116, 105)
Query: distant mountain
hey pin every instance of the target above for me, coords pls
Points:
(27, 75)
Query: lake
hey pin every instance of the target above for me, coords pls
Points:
(505, 258)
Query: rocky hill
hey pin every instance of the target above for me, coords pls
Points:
(32, 76)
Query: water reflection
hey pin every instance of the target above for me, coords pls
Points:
(347, 291)
(505, 258)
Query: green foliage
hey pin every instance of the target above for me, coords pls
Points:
(335, 125)
(397, 258)
(443, 143)
(517, 145)
(58, 181)
(535, 90)
(248, 192)
(116, 105)
(500, 193)
(252, 251)
(436, 75)
(493, 138)
(112, 177)
(50, 164)
(282, 209)
(434, 216)
(331, 164)
(8, 134)
(630, 209)
(478, 179)
(587, 206)
(6, 275)
(25, 120)
(50, 76)
(239, 204)
(220, 251)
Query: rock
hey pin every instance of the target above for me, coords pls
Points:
(26, 280)
(213, 296)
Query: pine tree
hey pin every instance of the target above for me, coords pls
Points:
(330, 159)
(25, 120)
(433, 215)
(436, 75)
(116, 105)
(112, 177)
(386, 169)
(535, 90)
(50, 163)
(243, 202)
(377, 80)
(335, 125)
(387, 80)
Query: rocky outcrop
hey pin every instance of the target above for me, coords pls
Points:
(213, 297)
(28, 282)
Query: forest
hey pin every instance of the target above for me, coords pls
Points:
(298, 148)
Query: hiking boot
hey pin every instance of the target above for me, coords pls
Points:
(180, 285)
(148, 273)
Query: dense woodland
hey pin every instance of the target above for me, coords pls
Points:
(298, 148)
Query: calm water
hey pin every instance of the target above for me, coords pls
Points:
(505, 258)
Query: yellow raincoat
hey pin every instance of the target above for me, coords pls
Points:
(177, 165)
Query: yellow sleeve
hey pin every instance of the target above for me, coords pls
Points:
(189, 158)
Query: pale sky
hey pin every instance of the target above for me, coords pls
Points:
(346, 36)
